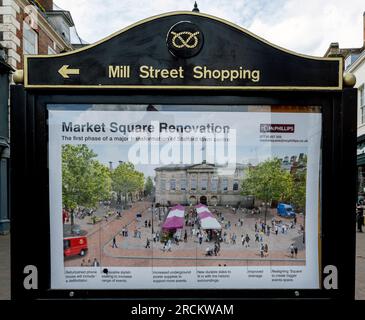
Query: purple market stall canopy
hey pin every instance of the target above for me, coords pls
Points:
(173, 223)
(207, 220)
(201, 208)
(175, 218)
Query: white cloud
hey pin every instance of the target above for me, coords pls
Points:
(310, 26)
(302, 26)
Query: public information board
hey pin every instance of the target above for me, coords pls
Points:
(183, 152)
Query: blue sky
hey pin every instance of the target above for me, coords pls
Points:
(303, 26)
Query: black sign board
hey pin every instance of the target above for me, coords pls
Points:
(184, 50)
(190, 69)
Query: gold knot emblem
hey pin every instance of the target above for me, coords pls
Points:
(185, 39)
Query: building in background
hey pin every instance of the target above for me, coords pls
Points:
(354, 62)
(26, 27)
(34, 27)
(204, 183)
(5, 70)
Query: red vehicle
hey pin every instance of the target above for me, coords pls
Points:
(73, 246)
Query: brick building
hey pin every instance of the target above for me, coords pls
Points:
(26, 27)
(33, 27)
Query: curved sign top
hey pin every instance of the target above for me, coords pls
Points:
(183, 50)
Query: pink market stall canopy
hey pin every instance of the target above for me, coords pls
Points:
(205, 214)
(201, 208)
(175, 218)
(207, 220)
(173, 223)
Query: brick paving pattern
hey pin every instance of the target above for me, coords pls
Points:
(131, 250)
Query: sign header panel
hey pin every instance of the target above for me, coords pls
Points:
(184, 50)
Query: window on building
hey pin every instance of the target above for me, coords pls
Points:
(162, 185)
(183, 184)
(172, 184)
(204, 183)
(225, 184)
(214, 185)
(235, 185)
(362, 103)
(193, 183)
(30, 40)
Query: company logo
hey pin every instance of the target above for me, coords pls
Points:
(184, 39)
(282, 128)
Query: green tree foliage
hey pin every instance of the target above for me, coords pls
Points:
(299, 186)
(85, 181)
(148, 187)
(126, 179)
(268, 181)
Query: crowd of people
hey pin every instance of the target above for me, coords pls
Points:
(235, 231)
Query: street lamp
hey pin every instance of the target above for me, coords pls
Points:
(266, 204)
(152, 216)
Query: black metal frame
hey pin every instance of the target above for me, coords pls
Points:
(30, 236)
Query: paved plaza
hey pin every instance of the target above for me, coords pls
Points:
(131, 250)
(360, 266)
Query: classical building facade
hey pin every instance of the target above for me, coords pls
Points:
(199, 183)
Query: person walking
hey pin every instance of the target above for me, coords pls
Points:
(295, 251)
(148, 243)
(242, 240)
(261, 236)
(168, 245)
(234, 238)
(292, 250)
(360, 220)
(216, 249)
(200, 238)
(261, 250)
(247, 240)
(164, 248)
(114, 245)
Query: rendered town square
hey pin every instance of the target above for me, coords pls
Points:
(186, 215)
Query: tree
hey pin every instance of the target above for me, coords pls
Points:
(85, 181)
(125, 180)
(148, 187)
(299, 185)
(268, 181)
